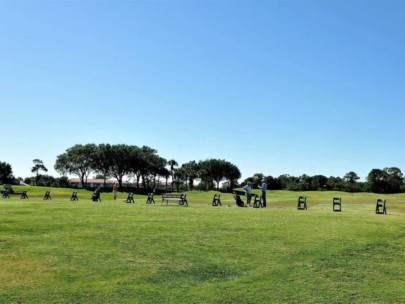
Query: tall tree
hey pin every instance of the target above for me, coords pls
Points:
(232, 174)
(377, 181)
(38, 166)
(181, 177)
(395, 179)
(166, 175)
(318, 182)
(285, 180)
(350, 179)
(152, 166)
(102, 162)
(123, 160)
(273, 183)
(78, 160)
(136, 163)
(304, 183)
(159, 169)
(172, 163)
(6, 173)
(216, 170)
(335, 183)
(190, 171)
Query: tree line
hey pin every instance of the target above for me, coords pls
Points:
(143, 165)
(387, 180)
(147, 168)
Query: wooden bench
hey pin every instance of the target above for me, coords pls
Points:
(47, 195)
(302, 203)
(381, 206)
(150, 199)
(180, 198)
(216, 201)
(130, 198)
(74, 196)
(337, 204)
(23, 194)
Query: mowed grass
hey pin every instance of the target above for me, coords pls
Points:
(60, 251)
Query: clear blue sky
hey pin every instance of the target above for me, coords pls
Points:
(277, 87)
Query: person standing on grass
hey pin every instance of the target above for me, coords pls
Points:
(115, 191)
(248, 189)
(263, 188)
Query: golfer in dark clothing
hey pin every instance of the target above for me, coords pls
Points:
(263, 187)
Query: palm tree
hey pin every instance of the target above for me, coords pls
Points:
(172, 163)
(38, 165)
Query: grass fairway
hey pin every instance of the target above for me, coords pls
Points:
(110, 252)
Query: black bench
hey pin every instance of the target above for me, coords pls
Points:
(130, 198)
(381, 206)
(216, 201)
(180, 198)
(74, 196)
(337, 204)
(257, 201)
(47, 195)
(150, 199)
(23, 194)
(302, 203)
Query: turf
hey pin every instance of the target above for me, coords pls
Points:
(59, 251)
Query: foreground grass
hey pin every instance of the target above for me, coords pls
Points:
(111, 252)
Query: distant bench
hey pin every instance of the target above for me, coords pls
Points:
(180, 198)
(6, 194)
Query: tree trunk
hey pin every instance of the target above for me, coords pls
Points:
(82, 180)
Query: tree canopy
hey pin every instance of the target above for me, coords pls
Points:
(142, 163)
(38, 166)
(146, 166)
(6, 173)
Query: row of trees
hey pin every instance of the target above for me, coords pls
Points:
(144, 165)
(387, 180)
(7, 176)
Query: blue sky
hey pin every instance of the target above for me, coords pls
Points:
(276, 87)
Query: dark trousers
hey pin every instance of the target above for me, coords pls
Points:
(248, 198)
(264, 198)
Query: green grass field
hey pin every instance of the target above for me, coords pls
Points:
(60, 251)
